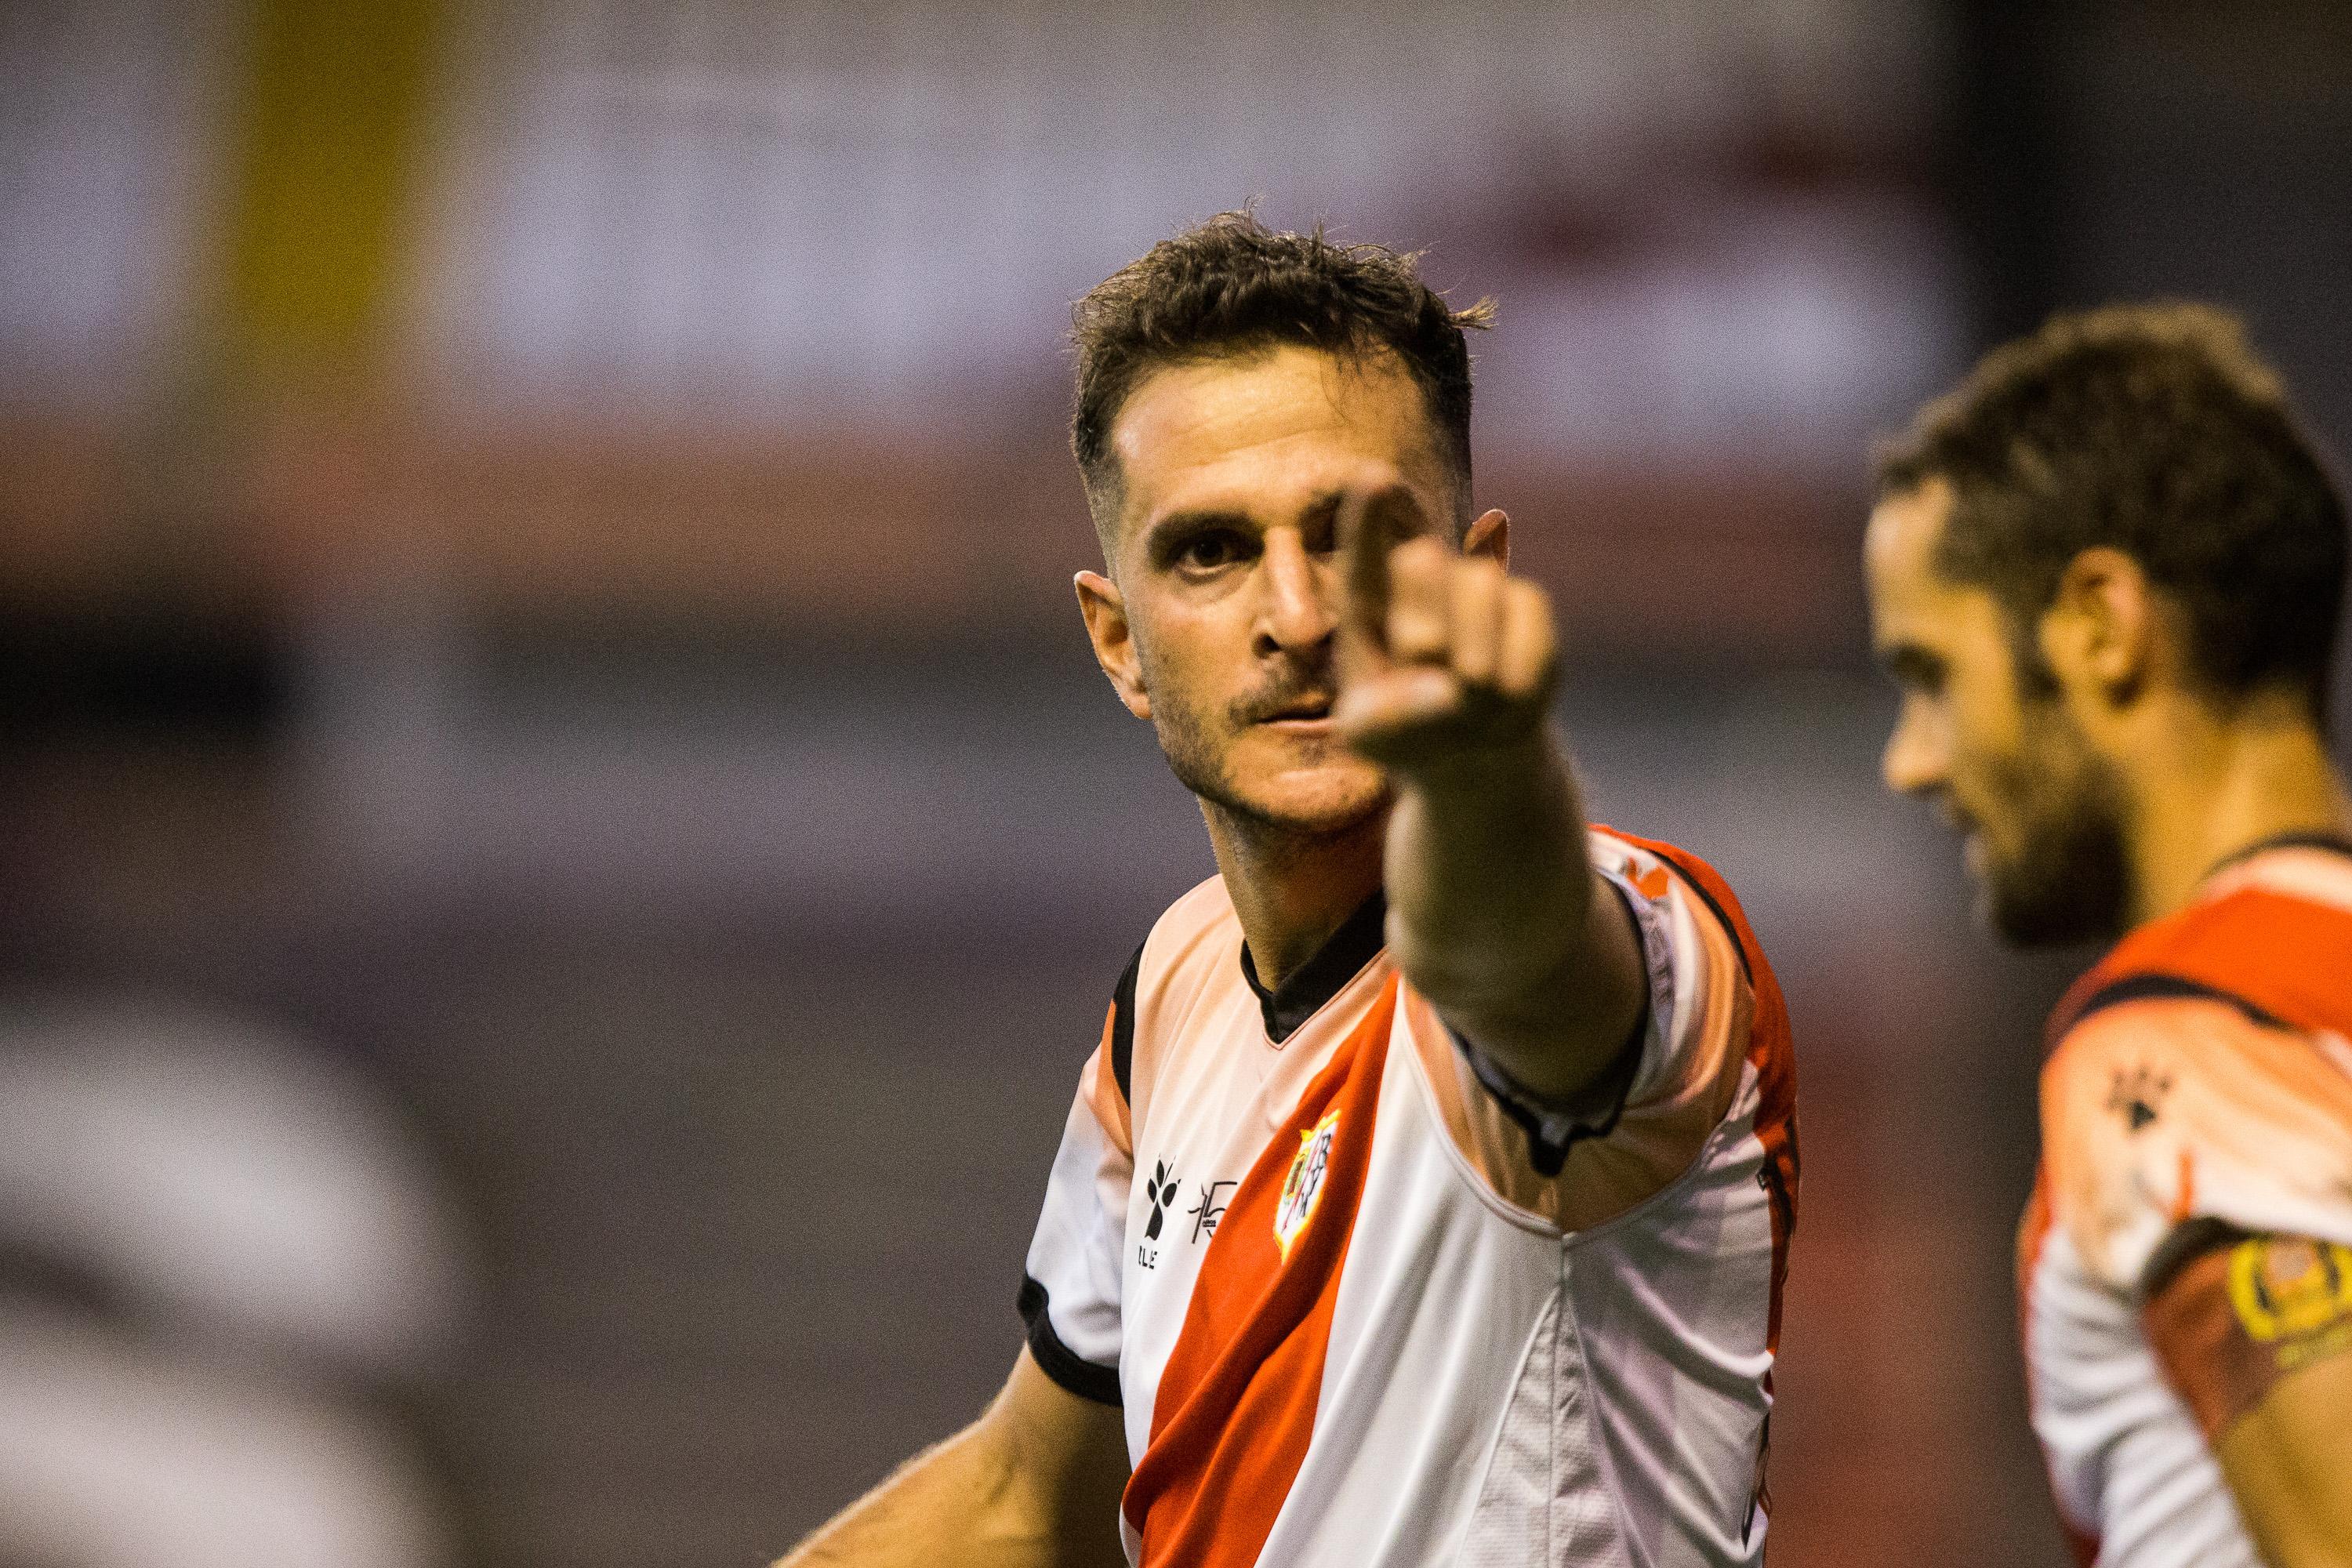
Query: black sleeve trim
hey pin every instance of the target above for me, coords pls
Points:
(1722, 918)
(1058, 1360)
(1549, 1153)
(2144, 987)
(2188, 1241)
(1122, 1026)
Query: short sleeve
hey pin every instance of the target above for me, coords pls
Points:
(1070, 1290)
(1555, 1127)
(1649, 1116)
(2166, 1113)
(2239, 1313)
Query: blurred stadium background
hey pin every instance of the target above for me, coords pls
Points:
(560, 845)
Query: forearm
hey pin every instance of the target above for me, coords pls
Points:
(2284, 1463)
(1033, 1483)
(957, 1500)
(1496, 915)
(1495, 911)
(1488, 879)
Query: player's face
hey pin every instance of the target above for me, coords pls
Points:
(1228, 582)
(1988, 739)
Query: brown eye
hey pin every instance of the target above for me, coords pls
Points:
(1208, 552)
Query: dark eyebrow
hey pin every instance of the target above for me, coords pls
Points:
(1910, 665)
(1322, 508)
(1177, 523)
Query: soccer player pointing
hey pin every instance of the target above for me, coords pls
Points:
(1443, 671)
(2105, 574)
(1427, 1194)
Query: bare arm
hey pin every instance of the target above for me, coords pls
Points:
(1448, 665)
(2289, 1462)
(1033, 1483)
(2255, 1334)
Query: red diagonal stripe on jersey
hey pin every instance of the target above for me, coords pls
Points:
(1236, 1403)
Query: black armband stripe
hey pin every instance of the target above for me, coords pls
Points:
(1058, 1360)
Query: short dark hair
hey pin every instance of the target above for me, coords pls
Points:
(2153, 429)
(1233, 286)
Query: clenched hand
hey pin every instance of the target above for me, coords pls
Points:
(1441, 657)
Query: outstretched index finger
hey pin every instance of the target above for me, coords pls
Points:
(1371, 524)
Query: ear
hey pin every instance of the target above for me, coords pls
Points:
(2100, 630)
(1105, 609)
(1490, 534)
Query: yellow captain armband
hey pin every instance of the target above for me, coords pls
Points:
(2294, 1292)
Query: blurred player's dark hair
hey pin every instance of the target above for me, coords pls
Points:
(2153, 429)
(1233, 286)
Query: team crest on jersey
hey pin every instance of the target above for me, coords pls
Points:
(1303, 1188)
(2285, 1287)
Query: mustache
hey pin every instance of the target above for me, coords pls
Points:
(1304, 689)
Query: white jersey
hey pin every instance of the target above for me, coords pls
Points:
(1363, 1304)
(2189, 1238)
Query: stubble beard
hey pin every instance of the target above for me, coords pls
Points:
(2070, 878)
(1199, 747)
(1199, 765)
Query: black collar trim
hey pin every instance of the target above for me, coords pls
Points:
(1341, 959)
(2169, 987)
(2334, 843)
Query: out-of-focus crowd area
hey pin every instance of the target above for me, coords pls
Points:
(560, 849)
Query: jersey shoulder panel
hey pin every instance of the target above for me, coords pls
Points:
(1708, 993)
(1764, 1042)
(2165, 1108)
(2272, 933)
(1193, 944)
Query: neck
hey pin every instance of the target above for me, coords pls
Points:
(1291, 891)
(2206, 788)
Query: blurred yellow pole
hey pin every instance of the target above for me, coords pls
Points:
(316, 221)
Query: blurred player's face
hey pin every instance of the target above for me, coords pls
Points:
(1983, 734)
(1226, 591)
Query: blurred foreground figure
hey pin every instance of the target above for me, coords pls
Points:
(2105, 574)
(1426, 1199)
(216, 1252)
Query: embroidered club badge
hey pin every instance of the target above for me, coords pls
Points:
(1304, 1185)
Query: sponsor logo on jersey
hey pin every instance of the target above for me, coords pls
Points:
(1160, 1189)
(1303, 1188)
(1211, 1208)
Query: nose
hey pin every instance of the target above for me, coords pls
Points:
(1916, 760)
(1296, 614)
